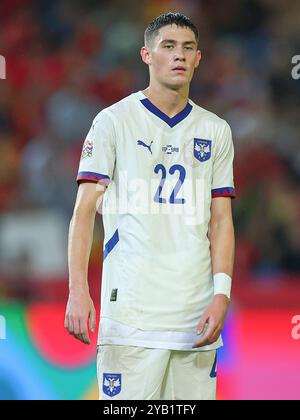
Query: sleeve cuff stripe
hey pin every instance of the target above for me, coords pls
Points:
(92, 176)
(223, 192)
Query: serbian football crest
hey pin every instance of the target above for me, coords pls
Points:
(202, 149)
(111, 384)
(87, 149)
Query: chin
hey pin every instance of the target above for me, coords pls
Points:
(177, 85)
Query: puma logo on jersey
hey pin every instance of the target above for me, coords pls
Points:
(141, 143)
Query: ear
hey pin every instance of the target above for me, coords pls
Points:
(198, 58)
(146, 55)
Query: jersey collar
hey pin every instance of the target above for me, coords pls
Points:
(170, 121)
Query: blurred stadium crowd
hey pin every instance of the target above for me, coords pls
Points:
(66, 60)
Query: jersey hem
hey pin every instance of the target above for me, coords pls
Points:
(155, 345)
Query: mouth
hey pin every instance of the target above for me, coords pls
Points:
(179, 69)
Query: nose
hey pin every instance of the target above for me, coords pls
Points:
(179, 54)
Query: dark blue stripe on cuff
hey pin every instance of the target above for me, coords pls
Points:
(92, 176)
(223, 192)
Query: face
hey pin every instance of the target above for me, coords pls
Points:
(172, 57)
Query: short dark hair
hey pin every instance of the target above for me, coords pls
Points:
(168, 19)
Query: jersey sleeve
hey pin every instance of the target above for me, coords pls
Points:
(222, 183)
(98, 155)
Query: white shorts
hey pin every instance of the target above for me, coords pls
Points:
(138, 373)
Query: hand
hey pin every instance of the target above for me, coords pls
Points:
(80, 309)
(214, 317)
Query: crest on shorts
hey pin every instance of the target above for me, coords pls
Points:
(202, 149)
(87, 149)
(111, 384)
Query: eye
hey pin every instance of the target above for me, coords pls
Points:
(169, 46)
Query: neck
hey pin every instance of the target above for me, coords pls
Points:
(169, 101)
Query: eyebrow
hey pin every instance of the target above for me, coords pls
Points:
(172, 41)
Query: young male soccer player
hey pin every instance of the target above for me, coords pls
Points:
(165, 165)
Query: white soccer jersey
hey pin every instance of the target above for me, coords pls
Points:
(161, 174)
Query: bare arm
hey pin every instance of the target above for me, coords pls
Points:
(222, 236)
(80, 307)
(222, 254)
